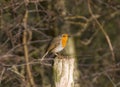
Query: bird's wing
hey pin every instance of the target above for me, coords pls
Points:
(54, 43)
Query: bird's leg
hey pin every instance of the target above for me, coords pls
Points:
(58, 55)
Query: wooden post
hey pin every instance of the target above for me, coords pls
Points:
(63, 72)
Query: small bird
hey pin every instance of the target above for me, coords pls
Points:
(57, 44)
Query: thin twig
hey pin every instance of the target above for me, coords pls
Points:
(30, 77)
(102, 29)
(1, 75)
(110, 79)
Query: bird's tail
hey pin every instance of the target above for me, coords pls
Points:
(44, 55)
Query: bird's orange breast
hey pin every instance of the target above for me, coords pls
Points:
(64, 41)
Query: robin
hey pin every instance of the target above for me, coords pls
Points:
(57, 44)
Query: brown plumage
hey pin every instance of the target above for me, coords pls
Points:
(57, 44)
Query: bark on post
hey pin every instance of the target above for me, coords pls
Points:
(63, 72)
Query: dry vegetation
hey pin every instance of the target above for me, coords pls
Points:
(27, 26)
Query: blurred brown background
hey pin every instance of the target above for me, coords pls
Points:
(94, 26)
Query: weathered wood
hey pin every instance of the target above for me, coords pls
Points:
(63, 72)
